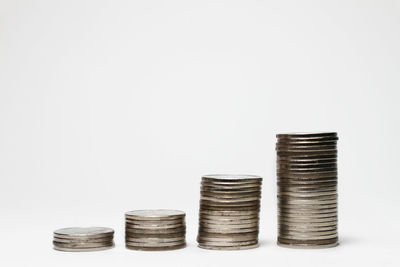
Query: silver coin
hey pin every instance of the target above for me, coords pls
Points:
(227, 231)
(156, 248)
(155, 240)
(228, 226)
(228, 248)
(82, 245)
(306, 237)
(206, 187)
(163, 236)
(228, 222)
(161, 231)
(81, 249)
(231, 177)
(228, 244)
(235, 238)
(89, 240)
(160, 245)
(154, 214)
(152, 227)
(229, 213)
(155, 222)
(231, 200)
(84, 232)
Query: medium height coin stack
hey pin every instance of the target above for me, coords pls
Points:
(307, 190)
(229, 212)
(155, 229)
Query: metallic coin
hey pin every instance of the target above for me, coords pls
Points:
(230, 204)
(308, 194)
(154, 214)
(81, 249)
(228, 222)
(229, 212)
(155, 222)
(202, 234)
(310, 143)
(155, 231)
(237, 182)
(231, 177)
(155, 248)
(166, 236)
(229, 238)
(228, 248)
(307, 135)
(155, 240)
(307, 237)
(80, 240)
(310, 242)
(84, 232)
(306, 224)
(82, 245)
(308, 214)
(205, 187)
(159, 245)
(231, 196)
(307, 219)
(151, 227)
(231, 200)
(229, 227)
(229, 191)
(227, 231)
(228, 244)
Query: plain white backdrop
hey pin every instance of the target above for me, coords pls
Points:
(110, 106)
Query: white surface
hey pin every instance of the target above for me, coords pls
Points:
(110, 106)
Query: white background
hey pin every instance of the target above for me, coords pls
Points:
(110, 106)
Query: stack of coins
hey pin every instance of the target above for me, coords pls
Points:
(307, 190)
(155, 229)
(83, 239)
(229, 212)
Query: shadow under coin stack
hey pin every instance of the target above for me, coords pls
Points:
(229, 212)
(155, 229)
(83, 239)
(307, 190)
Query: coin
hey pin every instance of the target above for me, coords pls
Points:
(241, 247)
(161, 214)
(82, 245)
(155, 248)
(82, 249)
(78, 232)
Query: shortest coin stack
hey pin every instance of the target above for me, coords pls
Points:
(83, 239)
(155, 229)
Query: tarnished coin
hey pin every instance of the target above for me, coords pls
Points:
(81, 249)
(158, 244)
(155, 248)
(158, 235)
(151, 227)
(228, 244)
(154, 214)
(156, 231)
(155, 240)
(83, 232)
(81, 240)
(82, 245)
(242, 247)
(154, 223)
(231, 177)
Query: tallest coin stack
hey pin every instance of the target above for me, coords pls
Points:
(307, 190)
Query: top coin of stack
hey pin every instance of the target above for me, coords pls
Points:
(229, 211)
(83, 239)
(307, 190)
(155, 229)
